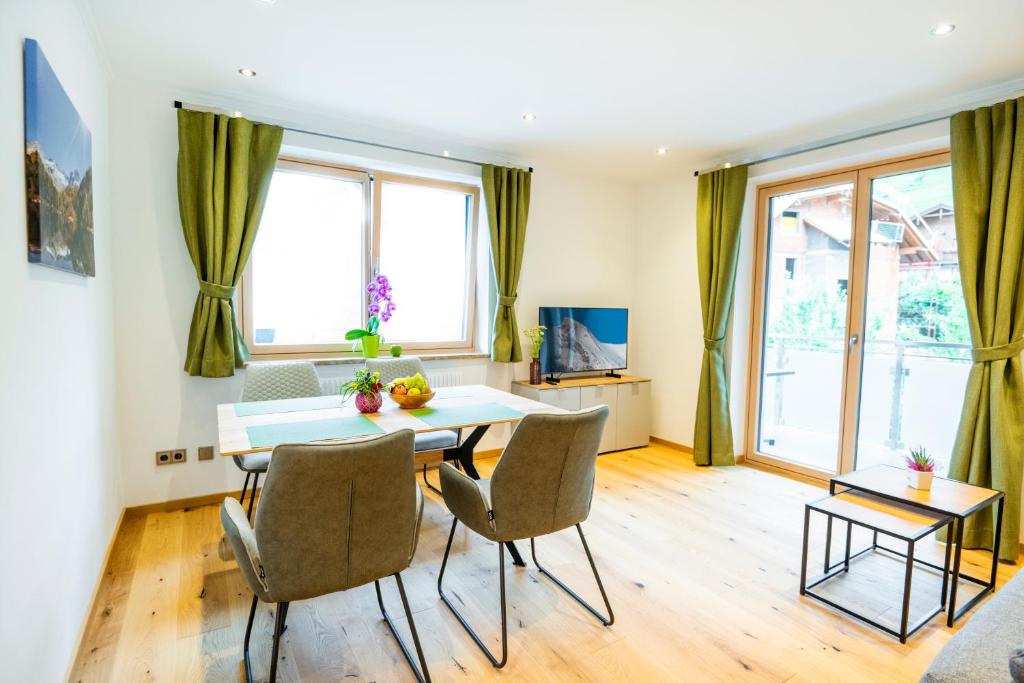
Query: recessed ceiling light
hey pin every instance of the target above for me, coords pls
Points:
(662, 151)
(445, 153)
(529, 117)
(943, 29)
(727, 165)
(247, 72)
(237, 114)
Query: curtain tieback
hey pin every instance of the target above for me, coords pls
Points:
(507, 300)
(215, 291)
(712, 344)
(987, 354)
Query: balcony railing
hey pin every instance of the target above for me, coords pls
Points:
(927, 356)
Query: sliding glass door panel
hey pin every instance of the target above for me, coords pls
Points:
(806, 271)
(916, 352)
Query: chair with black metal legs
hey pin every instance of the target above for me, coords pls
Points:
(332, 517)
(271, 382)
(543, 483)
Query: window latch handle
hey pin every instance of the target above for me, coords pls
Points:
(853, 340)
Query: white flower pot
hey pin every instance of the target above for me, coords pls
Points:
(919, 480)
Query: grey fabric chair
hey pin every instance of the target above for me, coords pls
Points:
(332, 517)
(543, 483)
(391, 369)
(270, 382)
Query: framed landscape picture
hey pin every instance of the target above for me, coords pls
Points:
(58, 172)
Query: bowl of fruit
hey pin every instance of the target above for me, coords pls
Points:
(410, 392)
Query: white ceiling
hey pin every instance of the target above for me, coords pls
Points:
(609, 81)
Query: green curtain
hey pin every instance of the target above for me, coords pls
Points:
(224, 169)
(507, 196)
(719, 207)
(987, 149)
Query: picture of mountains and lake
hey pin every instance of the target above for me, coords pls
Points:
(58, 171)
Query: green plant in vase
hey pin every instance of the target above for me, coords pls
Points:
(536, 336)
(920, 468)
(380, 308)
(365, 386)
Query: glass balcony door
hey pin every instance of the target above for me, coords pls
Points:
(861, 346)
(805, 269)
(917, 349)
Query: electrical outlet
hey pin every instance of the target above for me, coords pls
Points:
(163, 458)
(179, 455)
(206, 452)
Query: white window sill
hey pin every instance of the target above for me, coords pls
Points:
(353, 359)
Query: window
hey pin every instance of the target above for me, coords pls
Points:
(853, 347)
(326, 230)
(791, 267)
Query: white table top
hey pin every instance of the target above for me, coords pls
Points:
(234, 439)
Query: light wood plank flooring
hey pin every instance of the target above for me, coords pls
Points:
(701, 566)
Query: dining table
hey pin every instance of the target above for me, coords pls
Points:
(255, 426)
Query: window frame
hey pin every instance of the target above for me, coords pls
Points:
(371, 181)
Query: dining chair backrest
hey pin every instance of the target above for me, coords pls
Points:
(273, 381)
(334, 516)
(544, 481)
(391, 369)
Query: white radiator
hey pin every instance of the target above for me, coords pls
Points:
(330, 386)
(446, 378)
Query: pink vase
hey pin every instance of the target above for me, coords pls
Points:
(369, 404)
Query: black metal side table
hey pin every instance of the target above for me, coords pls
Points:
(946, 497)
(880, 516)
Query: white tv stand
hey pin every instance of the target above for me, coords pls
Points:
(628, 399)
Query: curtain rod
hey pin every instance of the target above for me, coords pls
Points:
(178, 105)
(932, 117)
(831, 142)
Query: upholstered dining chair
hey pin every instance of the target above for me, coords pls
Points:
(332, 517)
(543, 483)
(271, 382)
(391, 369)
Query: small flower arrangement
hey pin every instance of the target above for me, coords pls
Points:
(365, 386)
(536, 336)
(920, 469)
(919, 460)
(363, 382)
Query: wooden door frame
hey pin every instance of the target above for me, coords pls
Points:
(860, 177)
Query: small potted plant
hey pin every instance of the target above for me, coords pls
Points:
(366, 386)
(536, 336)
(920, 469)
(380, 308)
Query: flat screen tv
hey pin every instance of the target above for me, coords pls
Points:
(583, 339)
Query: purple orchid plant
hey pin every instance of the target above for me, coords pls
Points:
(380, 308)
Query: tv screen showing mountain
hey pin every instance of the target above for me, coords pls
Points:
(583, 339)
(58, 171)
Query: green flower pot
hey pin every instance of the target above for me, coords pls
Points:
(370, 345)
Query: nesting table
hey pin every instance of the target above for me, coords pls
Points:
(879, 499)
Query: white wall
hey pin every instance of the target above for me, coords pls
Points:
(60, 495)
(577, 253)
(668, 329)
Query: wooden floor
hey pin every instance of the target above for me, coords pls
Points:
(701, 566)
